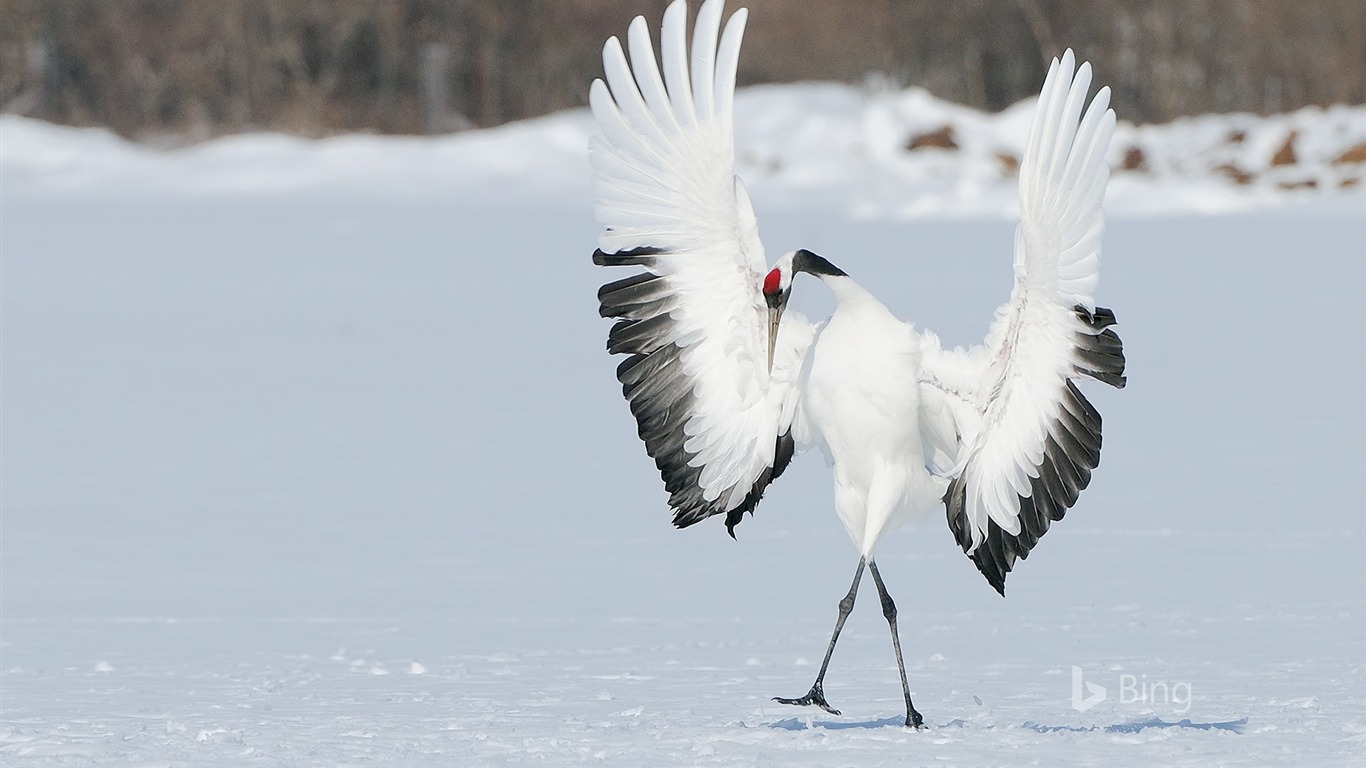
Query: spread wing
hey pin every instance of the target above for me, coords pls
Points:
(1005, 421)
(693, 322)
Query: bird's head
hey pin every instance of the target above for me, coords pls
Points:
(778, 281)
(778, 287)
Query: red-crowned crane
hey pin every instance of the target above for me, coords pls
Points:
(725, 386)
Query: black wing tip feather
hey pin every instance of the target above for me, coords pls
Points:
(629, 257)
(1099, 348)
(661, 401)
(991, 559)
(691, 515)
(782, 456)
(1071, 452)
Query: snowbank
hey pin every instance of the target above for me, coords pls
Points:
(875, 152)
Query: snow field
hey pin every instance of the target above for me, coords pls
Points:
(312, 456)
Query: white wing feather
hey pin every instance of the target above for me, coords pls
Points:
(668, 200)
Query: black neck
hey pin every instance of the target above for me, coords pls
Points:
(810, 263)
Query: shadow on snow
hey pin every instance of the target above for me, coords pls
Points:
(803, 724)
(1233, 726)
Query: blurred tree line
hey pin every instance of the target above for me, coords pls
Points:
(189, 69)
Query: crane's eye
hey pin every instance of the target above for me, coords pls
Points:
(773, 282)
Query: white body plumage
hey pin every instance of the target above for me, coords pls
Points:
(861, 398)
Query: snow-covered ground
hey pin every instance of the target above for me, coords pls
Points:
(312, 456)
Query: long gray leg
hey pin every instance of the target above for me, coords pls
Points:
(913, 718)
(817, 693)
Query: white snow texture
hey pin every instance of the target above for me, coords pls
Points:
(312, 456)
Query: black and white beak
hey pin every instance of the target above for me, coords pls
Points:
(777, 301)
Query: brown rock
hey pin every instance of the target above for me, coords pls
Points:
(1134, 160)
(1356, 154)
(941, 139)
(1286, 154)
(1236, 174)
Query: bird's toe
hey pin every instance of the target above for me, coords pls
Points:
(814, 697)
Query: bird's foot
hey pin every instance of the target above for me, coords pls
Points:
(914, 720)
(815, 696)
